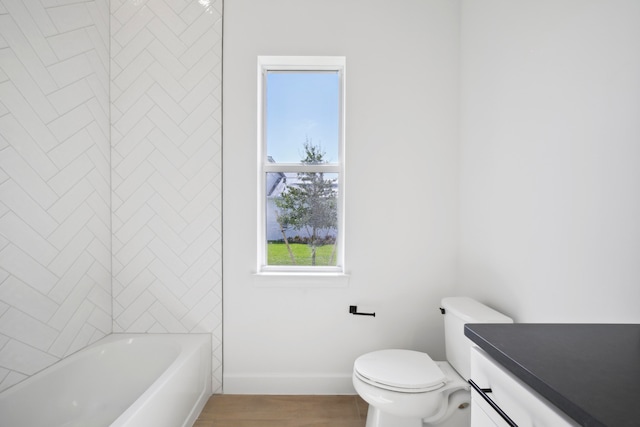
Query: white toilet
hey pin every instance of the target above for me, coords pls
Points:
(405, 388)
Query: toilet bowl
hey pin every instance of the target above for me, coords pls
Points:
(406, 388)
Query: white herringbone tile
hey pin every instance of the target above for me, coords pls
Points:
(18, 325)
(25, 208)
(73, 69)
(24, 114)
(26, 238)
(66, 191)
(28, 58)
(25, 298)
(53, 129)
(20, 264)
(165, 138)
(70, 17)
(70, 44)
(26, 177)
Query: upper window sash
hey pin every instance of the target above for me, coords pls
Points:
(297, 63)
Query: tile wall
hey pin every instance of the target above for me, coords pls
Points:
(107, 228)
(166, 65)
(55, 238)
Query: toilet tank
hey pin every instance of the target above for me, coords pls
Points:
(457, 312)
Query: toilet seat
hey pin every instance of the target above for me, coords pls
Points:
(404, 371)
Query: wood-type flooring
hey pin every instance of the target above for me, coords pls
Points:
(223, 410)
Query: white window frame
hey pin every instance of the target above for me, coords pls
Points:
(299, 63)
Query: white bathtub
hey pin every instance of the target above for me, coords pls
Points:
(123, 380)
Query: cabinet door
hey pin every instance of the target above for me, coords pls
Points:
(524, 406)
(481, 415)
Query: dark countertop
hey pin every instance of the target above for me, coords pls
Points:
(589, 371)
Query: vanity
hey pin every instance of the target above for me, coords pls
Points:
(555, 375)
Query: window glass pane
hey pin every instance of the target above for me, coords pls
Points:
(301, 218)
(302, 107)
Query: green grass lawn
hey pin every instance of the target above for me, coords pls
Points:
(277, 254)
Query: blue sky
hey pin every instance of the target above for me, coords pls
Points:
(300, 105)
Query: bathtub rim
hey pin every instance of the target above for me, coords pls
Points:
(70, 358)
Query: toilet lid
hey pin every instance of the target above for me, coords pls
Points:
(401, 370)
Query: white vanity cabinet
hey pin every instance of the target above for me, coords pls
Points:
(500, 399)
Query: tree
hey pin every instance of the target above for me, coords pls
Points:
(310, 204)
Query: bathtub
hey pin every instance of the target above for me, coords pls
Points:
(123, 380)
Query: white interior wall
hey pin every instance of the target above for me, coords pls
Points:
(401, 184)
(550, 158)
(166, 71)
(548, 194)
(60, 84)
(55, 239)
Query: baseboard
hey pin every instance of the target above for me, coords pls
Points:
(287, 384)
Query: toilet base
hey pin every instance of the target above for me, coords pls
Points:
(376, 418)
(461, 417)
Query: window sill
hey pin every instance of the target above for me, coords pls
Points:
(300, 280)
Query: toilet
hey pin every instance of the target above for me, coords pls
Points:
(406, 388)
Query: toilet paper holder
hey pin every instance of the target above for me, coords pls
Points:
(353, 309)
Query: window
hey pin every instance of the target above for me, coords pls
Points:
(301, 164)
